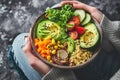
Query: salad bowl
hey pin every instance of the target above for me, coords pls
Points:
(91, 50)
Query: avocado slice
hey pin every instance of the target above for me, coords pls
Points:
(71, 45)
(48, 28)
(90, 37)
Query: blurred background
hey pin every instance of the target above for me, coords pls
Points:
(17, 16)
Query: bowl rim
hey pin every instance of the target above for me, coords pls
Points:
(60, 66)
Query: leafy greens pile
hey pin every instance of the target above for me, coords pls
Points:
(60, 16)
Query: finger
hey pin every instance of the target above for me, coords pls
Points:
(30, 32)
(68, 2)
(77, 5)
(83, 6)
(27, 48)
(29, 35)
(28, 42)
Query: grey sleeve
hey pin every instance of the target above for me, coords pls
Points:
(116, 76)
(112, 31)
(59, 74)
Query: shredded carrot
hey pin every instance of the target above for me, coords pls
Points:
(47, 16)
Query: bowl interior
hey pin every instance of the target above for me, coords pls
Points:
(96, 49)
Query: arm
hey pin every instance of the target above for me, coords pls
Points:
(58, 73)
(111, 30)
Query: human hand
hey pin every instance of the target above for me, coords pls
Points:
(33, 60)
(92, 10)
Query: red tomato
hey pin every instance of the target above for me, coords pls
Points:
(70, 25)
(80, 29)
(73, 34)
(76, 20)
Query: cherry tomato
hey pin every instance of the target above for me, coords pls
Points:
(70, 25)
(80, 29)
(76, 20)
(73, 34)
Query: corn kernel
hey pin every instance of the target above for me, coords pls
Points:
(58, 42)
(48, 58)
(53, 52)
(53, 41)
(48, 37)
(56, 47)
(61, 46)
(50, 61)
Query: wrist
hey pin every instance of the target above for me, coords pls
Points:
(32, 60)
(40, 66)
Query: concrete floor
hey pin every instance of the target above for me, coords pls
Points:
(17, 16)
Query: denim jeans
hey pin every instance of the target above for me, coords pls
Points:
(102, 68)
(21, 60)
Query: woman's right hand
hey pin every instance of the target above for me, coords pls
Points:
(92, 10)
(36, 63)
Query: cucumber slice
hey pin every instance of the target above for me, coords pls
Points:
(86, 20)
(90, 37)
(80, 13)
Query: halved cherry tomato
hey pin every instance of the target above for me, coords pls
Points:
(70, 25)
(73, 34)
(76, 20)
(80, 29)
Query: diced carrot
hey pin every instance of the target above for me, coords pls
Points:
(43, 55)
(48, 52)
(42, 47)
(39, 49)
(42, 52)
(36, 40)
(36, 45)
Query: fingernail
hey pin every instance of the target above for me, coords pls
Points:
(25, 39)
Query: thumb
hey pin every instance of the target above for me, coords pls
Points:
(28, 48)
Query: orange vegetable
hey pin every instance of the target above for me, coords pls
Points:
(42, 47)
(39, 50)
(36, 40)
(47, 16)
